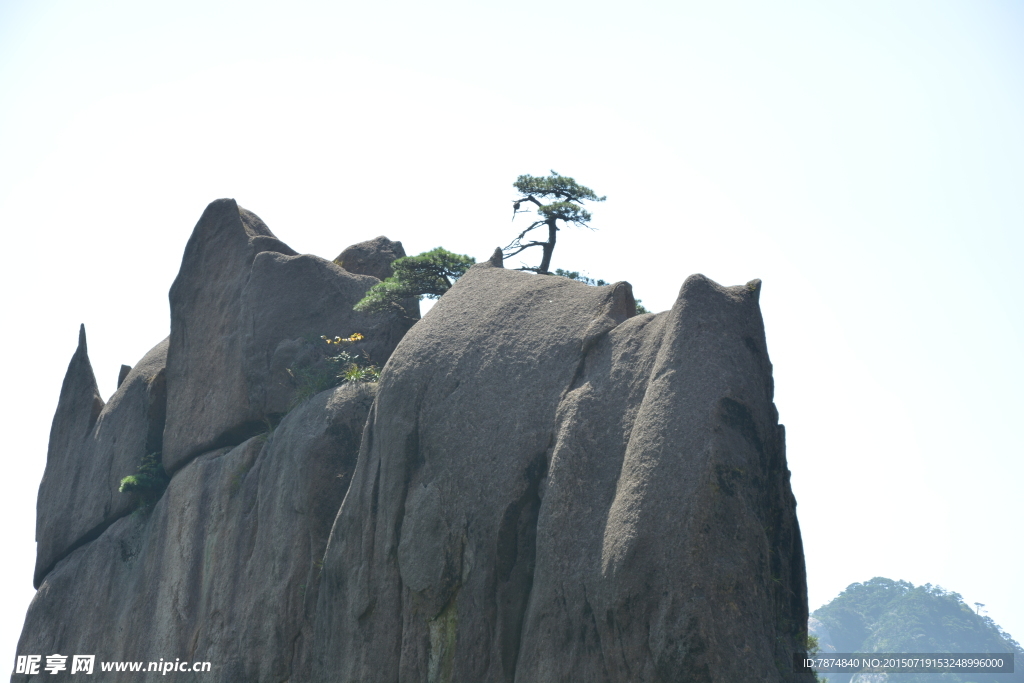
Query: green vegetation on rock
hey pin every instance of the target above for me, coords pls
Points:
(442, 634)
(332, 370)
(433, 272)
(813, 649)
(429, 274)
(149, 482)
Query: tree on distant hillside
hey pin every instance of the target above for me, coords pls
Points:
(567, 207)
(429, 274)
(882, 615)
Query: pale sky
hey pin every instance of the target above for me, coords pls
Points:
(865, 160)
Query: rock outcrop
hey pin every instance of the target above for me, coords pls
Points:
(542, 486)
(92, 447)
(239, 295)
(667, 539)
(550, 490)
(224, 568)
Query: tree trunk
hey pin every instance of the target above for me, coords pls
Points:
(549, 247)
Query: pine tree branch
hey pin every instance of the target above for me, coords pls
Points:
(520, 247)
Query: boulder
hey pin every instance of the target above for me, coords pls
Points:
(207, 398)
(92, 447)
(551, 489)
(423, 549)
(224, 568)
(239, 295)
(667, 545)
(372, 257)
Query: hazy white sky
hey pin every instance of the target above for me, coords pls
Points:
(865, 160)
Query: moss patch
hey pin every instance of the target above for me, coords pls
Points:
(443, 628)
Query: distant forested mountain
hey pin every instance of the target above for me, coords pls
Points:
(882, 615)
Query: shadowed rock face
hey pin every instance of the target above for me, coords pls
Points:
(92, 447)
(224, 568)
(549, 491)
(240, 294)
(290, 297)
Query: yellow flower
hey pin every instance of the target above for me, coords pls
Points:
(356, 336)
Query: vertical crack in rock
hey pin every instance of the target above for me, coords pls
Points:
(515, 556)
(412, 461)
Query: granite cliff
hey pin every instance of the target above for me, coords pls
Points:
(543, 485)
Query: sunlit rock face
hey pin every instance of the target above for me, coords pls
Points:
(553, 489)
(543, 486)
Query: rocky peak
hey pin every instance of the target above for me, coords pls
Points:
(541, 486)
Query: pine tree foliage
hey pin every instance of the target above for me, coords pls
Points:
(567, 207)
(565, 211)
(555, 185)
(429, 274)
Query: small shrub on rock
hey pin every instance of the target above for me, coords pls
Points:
(332, 370)
(149, 482)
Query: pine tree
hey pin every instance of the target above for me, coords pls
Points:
(567, 207)
(429, 274)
